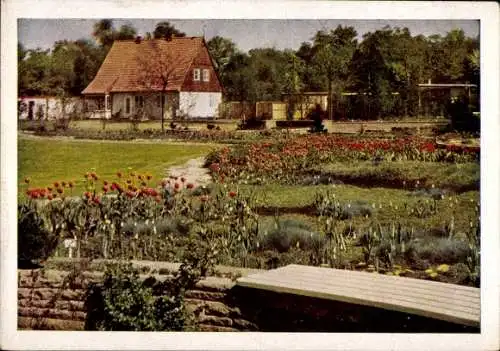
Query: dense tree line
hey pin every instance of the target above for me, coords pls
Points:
(384, 68)
(383, 63)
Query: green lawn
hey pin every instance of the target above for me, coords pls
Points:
(439, 174)
(388, 205)
(45, 161)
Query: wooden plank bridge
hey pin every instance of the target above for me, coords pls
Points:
(447, 302)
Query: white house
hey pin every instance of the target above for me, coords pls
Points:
(141, 78)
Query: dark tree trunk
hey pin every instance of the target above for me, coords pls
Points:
(162, 102)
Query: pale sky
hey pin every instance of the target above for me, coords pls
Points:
(247, 34)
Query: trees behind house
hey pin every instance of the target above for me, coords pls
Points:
(165, 29)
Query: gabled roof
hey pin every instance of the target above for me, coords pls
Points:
(129, 64)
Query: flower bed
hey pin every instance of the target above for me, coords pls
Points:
(280, 159)
(209, 135)
(134, 216)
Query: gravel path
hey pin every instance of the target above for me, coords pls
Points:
(193, 171)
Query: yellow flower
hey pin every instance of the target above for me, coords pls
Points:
(443, 268)
(429, 270)
(433, 275)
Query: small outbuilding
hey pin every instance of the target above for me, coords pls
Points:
(47, 107)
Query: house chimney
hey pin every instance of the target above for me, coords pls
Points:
(138, 39)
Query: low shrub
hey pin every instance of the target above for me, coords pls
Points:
(123, 302)
(356, 209)
(326, 204)
(35, 242)
(442, 250)
(287, 234)
(172, 226)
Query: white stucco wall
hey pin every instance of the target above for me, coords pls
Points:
(51, 106)
(202, 105)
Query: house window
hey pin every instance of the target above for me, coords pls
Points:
(196, 74)
(206, 75)
(100, 103)
(127, 105)
(139, 101)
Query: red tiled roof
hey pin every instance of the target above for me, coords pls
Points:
(131, 66)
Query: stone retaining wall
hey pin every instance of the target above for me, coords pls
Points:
(49, 300)
(46, 302)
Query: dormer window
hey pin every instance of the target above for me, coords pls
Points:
(196, 74)
(206, 75)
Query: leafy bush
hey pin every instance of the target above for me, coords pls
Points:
(123, 302)
(462, 118)
(34, 242)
